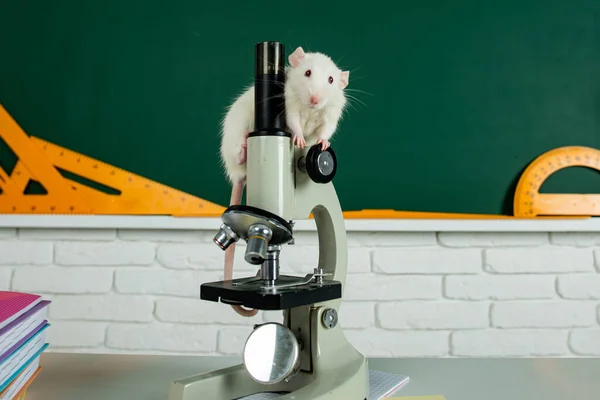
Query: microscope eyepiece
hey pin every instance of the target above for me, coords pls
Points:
(269, 59)
(269, 82)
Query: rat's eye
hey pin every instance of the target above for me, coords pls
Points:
(330, 79)
(307, 73)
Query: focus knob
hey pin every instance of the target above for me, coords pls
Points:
(321, 165)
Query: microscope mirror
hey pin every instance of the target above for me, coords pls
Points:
(272, 353)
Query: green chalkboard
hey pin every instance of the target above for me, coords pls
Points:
(450, 100)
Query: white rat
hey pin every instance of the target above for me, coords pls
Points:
(314, 103)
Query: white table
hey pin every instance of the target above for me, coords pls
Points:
(145, 377)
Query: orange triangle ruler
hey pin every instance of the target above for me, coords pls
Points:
(40, 161)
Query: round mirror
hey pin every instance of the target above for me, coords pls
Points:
(271, 353)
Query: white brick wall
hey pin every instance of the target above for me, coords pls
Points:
(419, 294)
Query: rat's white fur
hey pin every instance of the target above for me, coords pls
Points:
(304, 120)
(239, 118)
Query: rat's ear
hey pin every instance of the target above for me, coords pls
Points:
(344, 79)
(296, 57)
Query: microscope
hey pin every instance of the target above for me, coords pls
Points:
(306, 356)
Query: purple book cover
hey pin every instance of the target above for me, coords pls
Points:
(23, 317)
(23, 340)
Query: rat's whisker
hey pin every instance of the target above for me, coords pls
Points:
(359, 91)
(353, 98)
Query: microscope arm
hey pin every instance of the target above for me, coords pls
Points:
(322, 201)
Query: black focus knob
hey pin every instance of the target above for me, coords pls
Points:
(321, 165)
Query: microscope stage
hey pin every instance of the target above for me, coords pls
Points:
(253, 295)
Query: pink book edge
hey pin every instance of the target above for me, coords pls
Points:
(15, 304)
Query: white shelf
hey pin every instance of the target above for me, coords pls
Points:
(352, 225)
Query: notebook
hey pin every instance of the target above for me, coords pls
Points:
(21, 329)
(14, 304)
(21, 380)
(20, 395)
(16, 362)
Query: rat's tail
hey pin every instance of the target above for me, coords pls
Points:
(236, 198)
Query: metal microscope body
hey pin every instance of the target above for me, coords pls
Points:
(307, 355)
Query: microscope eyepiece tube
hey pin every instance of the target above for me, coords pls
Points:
(269, 82)
(270, 152)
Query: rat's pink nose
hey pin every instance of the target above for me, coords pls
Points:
(314, 100)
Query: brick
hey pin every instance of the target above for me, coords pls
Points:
(63, 280)
(509, 343)
(7, 233)
(197, 311)
(543, 314)
(76, 334)
(356, 315)
(433, 315)
(204, 256)
(392, 287)
(538, 260)
(231, 339)
(499, 287)
(427, 261)
(66, 234)
(394, 239)
(182, 283)
(105, 253)
(190, 256)
(5, 278)
(21, 252)
(162, 337)
(359, 260)
(111, 307)
(597, 259)
(166, 235)
(578, 239)
(585, 342)
(381, 343)
(491, 239)
(579, 286)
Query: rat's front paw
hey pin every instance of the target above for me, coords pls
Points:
(324, 144)
(299, 141)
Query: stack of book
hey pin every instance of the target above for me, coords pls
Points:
(23, 326)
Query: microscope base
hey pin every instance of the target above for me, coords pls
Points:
(331, 367)
(344, 383)
(251, 294)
